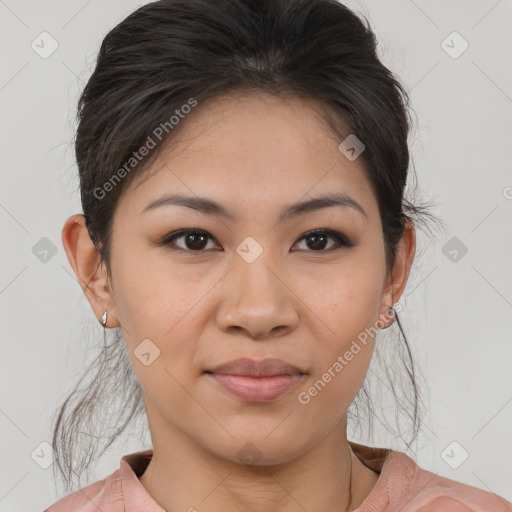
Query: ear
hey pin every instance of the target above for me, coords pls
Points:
(89, 269)
(397, 279)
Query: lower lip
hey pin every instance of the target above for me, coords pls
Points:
(257, 389)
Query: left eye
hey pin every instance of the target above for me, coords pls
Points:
(195, 240)
(319, 237)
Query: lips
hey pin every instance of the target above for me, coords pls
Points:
(254, 368)
(257, 381)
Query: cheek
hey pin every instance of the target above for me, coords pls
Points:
(346, 304)
(343, 355)
(151, 298)
(156, 304)
(346, 299)
(155, 313)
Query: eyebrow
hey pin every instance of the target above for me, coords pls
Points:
(210, 207)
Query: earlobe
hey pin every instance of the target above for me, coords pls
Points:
(89, 269)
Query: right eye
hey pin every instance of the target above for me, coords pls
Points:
(193, 240)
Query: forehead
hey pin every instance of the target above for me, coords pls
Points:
(252, 150)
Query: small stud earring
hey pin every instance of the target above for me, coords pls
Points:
(104, 319)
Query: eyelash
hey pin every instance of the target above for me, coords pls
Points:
(341, 239)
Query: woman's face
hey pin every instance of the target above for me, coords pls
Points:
(255, 285)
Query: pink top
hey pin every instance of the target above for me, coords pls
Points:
(402, 485)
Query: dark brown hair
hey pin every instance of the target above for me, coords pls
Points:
(171, 53)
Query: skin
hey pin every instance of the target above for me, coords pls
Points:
(297, 301)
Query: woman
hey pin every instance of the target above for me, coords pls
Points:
(242, 167)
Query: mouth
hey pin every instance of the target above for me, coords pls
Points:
(256, 368)
(256, 389)
(256, 381)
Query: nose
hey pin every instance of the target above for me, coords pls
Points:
(257, 301)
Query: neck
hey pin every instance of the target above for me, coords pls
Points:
(183, 475)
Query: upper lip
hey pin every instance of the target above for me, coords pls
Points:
(255, 368)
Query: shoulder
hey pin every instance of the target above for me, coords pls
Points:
(423, 491)
(444, 494)
(108, 495)
(94, 497)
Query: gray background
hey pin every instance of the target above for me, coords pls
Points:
(456, 312)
